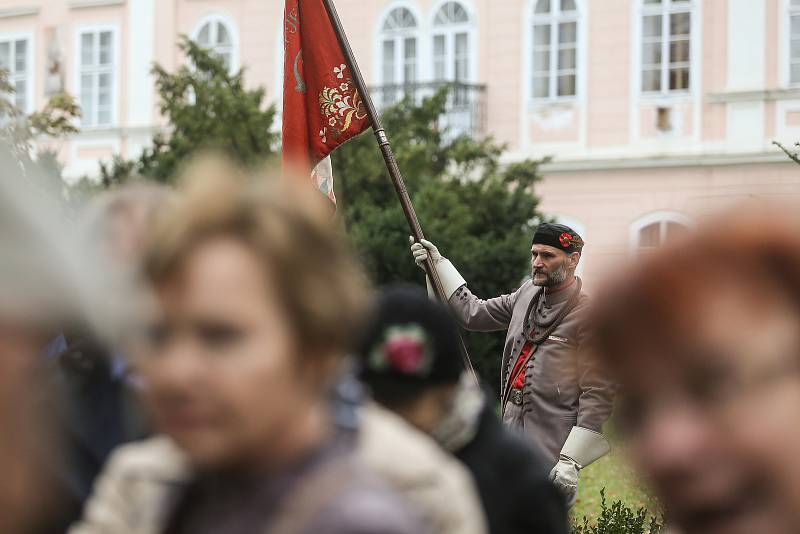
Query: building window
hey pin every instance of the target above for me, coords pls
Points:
(794, 42)
(657, 229)
(451, 43)
(96, 78)
(666, 45)
(398, 48)
(217, 35)
(15, 59)
(555, 48)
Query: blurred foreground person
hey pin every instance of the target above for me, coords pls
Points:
(438, 488)
(258, 299)
(41, 289)
(92, 385)
(412, 364)
(551, 392)
(704, 337)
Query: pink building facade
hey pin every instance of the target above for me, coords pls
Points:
(656, 112)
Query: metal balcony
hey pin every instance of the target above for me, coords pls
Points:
(465, 110)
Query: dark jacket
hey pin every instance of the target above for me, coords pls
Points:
(93, 410)
(512, 481)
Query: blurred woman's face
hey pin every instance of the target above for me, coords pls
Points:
(223, 377)
(714, 422)
(23, 491)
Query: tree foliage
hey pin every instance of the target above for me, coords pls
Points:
(206, 108)
(480, 214)
(19, 132)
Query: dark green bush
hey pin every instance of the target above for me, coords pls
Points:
(619, 519)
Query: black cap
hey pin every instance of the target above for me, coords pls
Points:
(559, 236)
(411, 339)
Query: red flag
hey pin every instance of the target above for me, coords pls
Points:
(321, 106)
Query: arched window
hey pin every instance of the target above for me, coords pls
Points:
(398, 48)
(666, 45)
(656, 229)
(218, 35)
(555, 48)
(794, 42)
(452, 35)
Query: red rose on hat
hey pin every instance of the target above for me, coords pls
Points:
(404, 349)
(565, 239)
(405, 353)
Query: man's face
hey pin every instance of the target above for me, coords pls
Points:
(550, 266)
(222, 375)
(714, 421)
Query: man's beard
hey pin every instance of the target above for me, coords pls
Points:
(554, 278)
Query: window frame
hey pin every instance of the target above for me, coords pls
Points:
(232, 29)
(30, 81)
(665, 10)
(662, 217)
(449, 32)
(398, 37)
(790, 11)
(553, 19)
(114, 71)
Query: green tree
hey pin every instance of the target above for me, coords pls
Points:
(20, 132)
(206, 108)
(480, 214)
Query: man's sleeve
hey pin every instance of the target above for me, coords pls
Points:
(483, 315)
(596, 389)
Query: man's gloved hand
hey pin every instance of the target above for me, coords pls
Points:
(582, 448)
(448, 274)
(422, 250)
(565, 477)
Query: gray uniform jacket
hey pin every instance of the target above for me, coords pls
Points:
(563, 388)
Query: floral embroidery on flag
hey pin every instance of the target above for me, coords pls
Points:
(340, 104)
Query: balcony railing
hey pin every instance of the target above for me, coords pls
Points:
(465, 110)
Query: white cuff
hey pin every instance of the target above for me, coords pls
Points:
(450, 277)
(584, 446)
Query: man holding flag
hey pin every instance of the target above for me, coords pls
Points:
(552, 392)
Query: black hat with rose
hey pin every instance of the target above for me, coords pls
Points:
(559, 236)
(411, 343)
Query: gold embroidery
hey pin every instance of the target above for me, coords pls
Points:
(340, 105)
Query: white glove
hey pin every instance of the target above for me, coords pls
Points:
(565, 477)
(422, 250)
(449, 276)
(582, 448)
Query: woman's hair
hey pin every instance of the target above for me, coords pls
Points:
(751, 254)
(289, 228)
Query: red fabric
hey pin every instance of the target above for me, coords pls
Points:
(321, 107)
(518, 374)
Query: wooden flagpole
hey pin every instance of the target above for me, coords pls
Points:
(389, 159)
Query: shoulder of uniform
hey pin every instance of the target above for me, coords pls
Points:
(528, 289)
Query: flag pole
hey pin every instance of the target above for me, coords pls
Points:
(389, 160)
